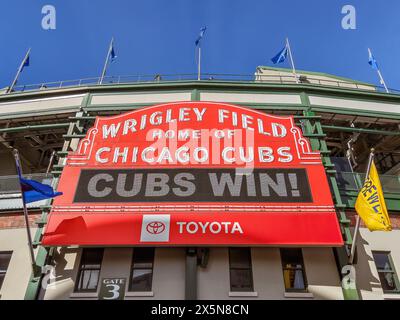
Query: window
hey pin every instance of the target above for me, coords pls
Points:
(386, 272)
(294, 274)
(142, 269)
(241, 276)
(89, 270)
(5, 258)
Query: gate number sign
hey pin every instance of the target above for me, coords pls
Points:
(112, 289)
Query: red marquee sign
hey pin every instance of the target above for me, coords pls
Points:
(193, 173)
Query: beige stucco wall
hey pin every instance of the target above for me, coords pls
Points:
(139, 97)
(322, 275)
(287, 77)
(42, 106)
(292, 99)
(66, 267)
(213, 281)
(19, 269)
(168, 273)
(366, 274)
(354, 104)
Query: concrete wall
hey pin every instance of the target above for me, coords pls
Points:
(19, 269)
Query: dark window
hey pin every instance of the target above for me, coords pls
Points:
(89, 270)
(387, 273)
(142, 269)
(5, 258)
(241, 276)
(294, 275)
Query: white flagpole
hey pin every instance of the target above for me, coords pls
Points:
(19, 71)
(106, 62)
(51, 161)
(291, 60)
(199, 63)
(28, 231)
(357, 227)
(382, 81)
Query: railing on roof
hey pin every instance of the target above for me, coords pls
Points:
(157, 78)
(349, 181)
(10, 194)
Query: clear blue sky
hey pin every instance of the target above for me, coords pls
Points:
(157, 37)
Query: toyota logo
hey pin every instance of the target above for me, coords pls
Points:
(155, 227)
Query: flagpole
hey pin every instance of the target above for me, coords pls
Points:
(291, 60)
(199, 63)
(51, 161)
(19, 71)
(382, 81)
(28, 231)
(106, 62)
(358, 220)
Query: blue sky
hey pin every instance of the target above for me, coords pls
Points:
(157, 37)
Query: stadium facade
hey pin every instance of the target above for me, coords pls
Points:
(90, 246)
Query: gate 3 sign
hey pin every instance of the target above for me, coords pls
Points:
(193, 173)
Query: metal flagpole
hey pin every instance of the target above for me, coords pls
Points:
(379, 72)
(358, 220)
(19, 71)
(291, 60)
(51, 161)
(199, 63)
(382, 81)
(106, 62)
(28, 231)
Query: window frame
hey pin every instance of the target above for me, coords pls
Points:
(250, 268)
(302, 268)
(383, 271)
(4, 272)
(133, 268)
(81, 268)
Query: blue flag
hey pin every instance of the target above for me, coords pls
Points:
(372, 61)
(112, 54)
(33, 190)
(26, 63)
(281, 56)
(202, 31)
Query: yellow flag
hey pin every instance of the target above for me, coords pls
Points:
(370, 204)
